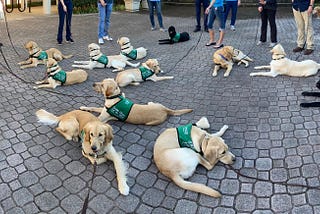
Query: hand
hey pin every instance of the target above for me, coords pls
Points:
(262, 2)
(64, 8)
(239, 2)
(207, 10)
(310, 9)
(260, 9)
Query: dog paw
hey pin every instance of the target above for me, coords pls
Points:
(124, 189)
(226, 75)
(214, 74)
(83, 108)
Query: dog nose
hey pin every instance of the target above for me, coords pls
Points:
(94, 84)
(94, 148)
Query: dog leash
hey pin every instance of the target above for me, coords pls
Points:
(237, 171)
(86, 201)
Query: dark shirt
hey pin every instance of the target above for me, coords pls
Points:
(270, 5)
(300, 5)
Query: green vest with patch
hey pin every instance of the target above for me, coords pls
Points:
(103, 60)
(61, 76)
(184, 137)
(145, 72)
(43, 55)
(176, 38)
(132, 54)
(121, 109)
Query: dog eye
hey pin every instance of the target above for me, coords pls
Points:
(91, 134)
(224, 152)
(100, 134)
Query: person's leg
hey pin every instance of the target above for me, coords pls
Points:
(68, 20)
(102, 18)
(227, 10)
(273, 26)
(211, 17)
(205, 4)
(107, 19)
(222, 26)
(151, 8)
(309, 30)
(61, 22)
(300, 27)
(264, 25)
(234, 10)
(198, 14)
(158, 9)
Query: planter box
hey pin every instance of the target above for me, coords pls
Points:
(144, 5)
(131, 5)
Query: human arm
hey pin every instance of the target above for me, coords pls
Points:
(310, 8)
(209, 7)
(102, 3)
(63, 5)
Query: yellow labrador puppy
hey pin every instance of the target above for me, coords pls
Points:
(148, 71)
(178, 151)
(281, 65)
(96, 139)
(38, 56)
(129, 52)
(58, 77)
(117, 107)
(99, 60)
(316, 12)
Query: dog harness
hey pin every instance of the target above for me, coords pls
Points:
(121, 109)
(131, 55)
(145, 72)
(103, 60)
(60, 76)
(43, 55)
(184, 137)
(94, 155)
(176, 38)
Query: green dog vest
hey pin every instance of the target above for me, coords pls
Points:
(121, 109)
(184, 137)
(43, 55)
(176, 37)
(132, 54)
(145, 72)
(103, 60)
(61, 76)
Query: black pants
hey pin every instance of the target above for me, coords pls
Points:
(268, 15)
(205, 4)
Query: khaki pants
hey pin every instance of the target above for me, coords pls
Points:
(305, 29)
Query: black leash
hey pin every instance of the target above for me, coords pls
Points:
(86, 201)
(237, 171)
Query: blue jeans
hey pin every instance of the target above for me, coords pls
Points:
(233, 5)
(104, 20)
(62, 16)
(205, 4)
(155, 5)
(216, 12)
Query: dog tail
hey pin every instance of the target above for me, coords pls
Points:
(203, 123)
(195, 187)
(67, 56)
(178, 112)
(133, 64)
(47, 118)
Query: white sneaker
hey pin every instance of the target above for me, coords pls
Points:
(232, 27)
(272, 44)
(153, 28)
(259, 43)
(100, 41)
(108, 38)
(162, 29)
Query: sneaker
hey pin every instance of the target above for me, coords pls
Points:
(272, 44)
(162, 29)
(232, 28)
(70, 40)
(100, 41)
(206, 29)
(308, 52)
(108, 38)
(197, 29)
(259, 43)
(297, 49)
(59, 42)
(153, 28)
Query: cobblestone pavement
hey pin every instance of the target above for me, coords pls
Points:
(272, 137)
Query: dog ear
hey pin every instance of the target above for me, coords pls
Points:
(108, 91)
(86, 133)
(149, 63)
(210, 152)
(108, 133)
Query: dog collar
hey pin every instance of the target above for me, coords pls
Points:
(131, 55)
(278, 58)
(184, 138)
(223, 57)
(114, 96)
(176, 38)
(145, 72)
(95, 155)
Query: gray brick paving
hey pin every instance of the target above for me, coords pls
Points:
(272, 137)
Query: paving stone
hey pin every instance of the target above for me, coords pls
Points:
(75, 167)
(263, 164)
(74, 184)
(128, 203)
(280, 203)
(146, 179)
(22, 197)
(72, 204)
(50, 182)
(185, 206)
(153, 197)
(46, 201)
(245, 202)
(8, 174)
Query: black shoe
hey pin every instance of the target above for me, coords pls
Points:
(70, 40)
(206, 30)
(196, 29)
(59, 43)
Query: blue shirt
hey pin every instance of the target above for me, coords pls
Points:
(218, 3)
(301, 5)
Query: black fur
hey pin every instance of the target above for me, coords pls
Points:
(184, 36)
(313, 94)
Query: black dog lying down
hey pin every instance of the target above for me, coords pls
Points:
(313, 94)
(174, 37)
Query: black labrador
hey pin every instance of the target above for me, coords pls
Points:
(175, 37)
(313, 94)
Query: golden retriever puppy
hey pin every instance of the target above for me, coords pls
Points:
(58, 77)
(316, 12)
(148, 71)
(117, 107)
(38, 56)
(280, 65)
(178, 151)
(129, 52)
(240, 57)
(222, 58)
(95, 137)
(99, 60)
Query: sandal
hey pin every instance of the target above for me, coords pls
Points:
(218, 46)
(211, 43)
